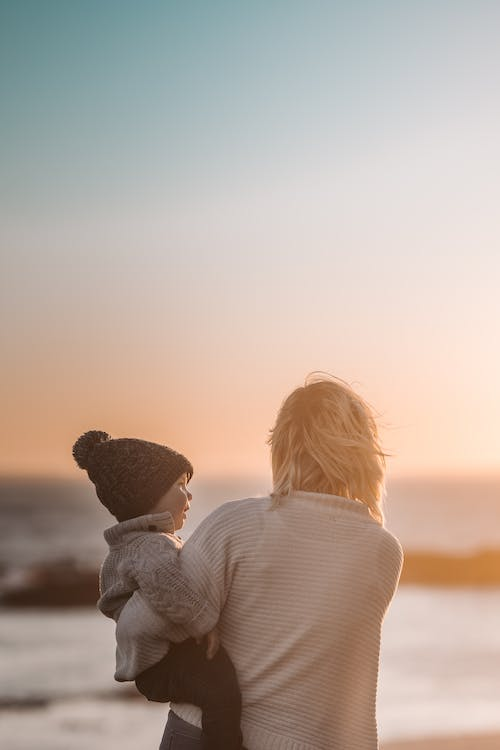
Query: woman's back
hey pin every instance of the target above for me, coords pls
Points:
(301, 591)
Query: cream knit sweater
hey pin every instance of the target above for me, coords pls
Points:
(301, 592)
(143, 590)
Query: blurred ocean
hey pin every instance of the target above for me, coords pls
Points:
(441, 647)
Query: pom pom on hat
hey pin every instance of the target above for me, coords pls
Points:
(84, 446)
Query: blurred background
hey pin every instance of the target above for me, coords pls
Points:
(201, 203)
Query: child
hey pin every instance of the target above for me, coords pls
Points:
(144, 485)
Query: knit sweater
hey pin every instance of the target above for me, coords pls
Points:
(143, 590)
(301, 592)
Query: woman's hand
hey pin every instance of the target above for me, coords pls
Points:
(212, 641)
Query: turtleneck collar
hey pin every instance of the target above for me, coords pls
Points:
(153, 522)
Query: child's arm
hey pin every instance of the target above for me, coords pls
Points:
(158, 576)
(201, 575)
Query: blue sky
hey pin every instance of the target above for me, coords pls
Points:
(203, 202)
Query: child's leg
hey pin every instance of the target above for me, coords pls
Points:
(186, 675)
(156, 683)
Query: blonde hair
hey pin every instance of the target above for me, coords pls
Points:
(326, 440)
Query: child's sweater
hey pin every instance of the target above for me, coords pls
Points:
(143, 591)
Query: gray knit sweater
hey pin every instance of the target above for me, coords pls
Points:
(301, 592)
(143, 590)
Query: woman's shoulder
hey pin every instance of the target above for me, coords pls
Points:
(234, 520)
(389, 540)
(390, 553)
(383, 539)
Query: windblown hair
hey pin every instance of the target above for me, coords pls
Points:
(326, 440)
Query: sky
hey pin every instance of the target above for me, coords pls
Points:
(203, 202)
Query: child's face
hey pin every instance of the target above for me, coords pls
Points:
(177, 500)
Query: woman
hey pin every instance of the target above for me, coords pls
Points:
(300, 581)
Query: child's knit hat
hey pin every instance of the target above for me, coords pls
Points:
(130, 475)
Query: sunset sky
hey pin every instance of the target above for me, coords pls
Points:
(204, 201)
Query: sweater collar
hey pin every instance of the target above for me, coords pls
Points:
(153, 522)
(329, 501)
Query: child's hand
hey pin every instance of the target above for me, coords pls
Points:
(213, 643)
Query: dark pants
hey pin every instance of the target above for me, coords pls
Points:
(179, 735)
(185, 675)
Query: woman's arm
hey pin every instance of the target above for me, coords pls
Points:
(210, 556)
